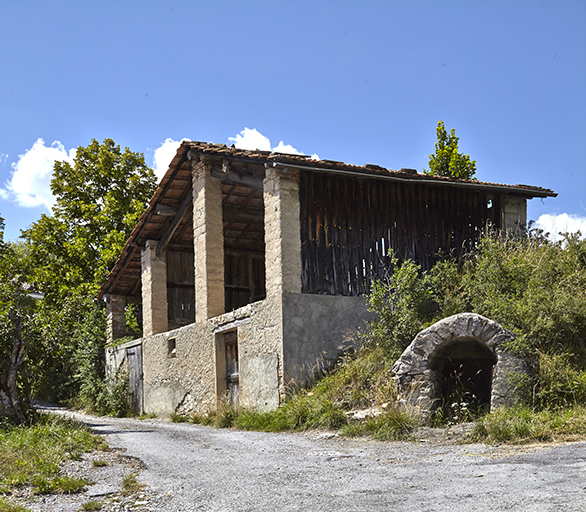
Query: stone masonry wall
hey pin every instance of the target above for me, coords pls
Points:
(282, 231)
(185, 381)
(208, 242)
(154, 290)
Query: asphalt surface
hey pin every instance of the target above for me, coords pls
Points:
(200, 468)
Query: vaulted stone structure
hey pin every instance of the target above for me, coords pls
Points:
(463, 350)
(250, 266)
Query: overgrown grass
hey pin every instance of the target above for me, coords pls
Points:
(522, 424)
(8, 506)
(32, 455)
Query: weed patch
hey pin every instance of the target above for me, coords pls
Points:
(8, 506)
(524, 425)
(32, 455)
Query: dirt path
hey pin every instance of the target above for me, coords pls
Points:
(189, 468)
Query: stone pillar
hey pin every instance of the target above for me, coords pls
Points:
(208, 243)
(154, 290)
(116, 321)
(514, 214)
(282, 231)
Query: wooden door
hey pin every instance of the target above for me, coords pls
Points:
(134, 358)
(232, 374)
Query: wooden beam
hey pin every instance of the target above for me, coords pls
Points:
(166, 211)
(233, 214)
(242, 180)
(187, 202)
(257, 255)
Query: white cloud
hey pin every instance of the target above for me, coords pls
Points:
(253, 139)
(286, 148)
(30, 182)
(163, 156)
(561, 223)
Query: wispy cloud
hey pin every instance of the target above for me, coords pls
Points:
(253, 139)
(30, 182)
(561, 223)
(163, 156)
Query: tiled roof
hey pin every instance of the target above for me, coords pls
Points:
(124, 279)
(304, 161)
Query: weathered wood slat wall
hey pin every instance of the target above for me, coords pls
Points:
(180, 288)
(348, 226)
(244, 279)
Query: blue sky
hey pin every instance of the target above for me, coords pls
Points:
(361, 82)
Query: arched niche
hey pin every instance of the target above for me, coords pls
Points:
(466, 344)
(464, 365)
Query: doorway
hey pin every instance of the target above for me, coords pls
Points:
(227, 367)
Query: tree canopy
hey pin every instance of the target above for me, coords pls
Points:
(98, 202)
(447, 160)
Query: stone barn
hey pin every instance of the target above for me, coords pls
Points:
(251, 266)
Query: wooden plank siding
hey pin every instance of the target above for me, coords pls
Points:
(349, 224)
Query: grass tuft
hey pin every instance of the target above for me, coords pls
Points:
(130, 484)
(179, 418)
(92, 505)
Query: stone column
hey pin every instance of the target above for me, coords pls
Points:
(154, 290)
(282, 231)
(208, 243)
(116, 321)
(514, 214)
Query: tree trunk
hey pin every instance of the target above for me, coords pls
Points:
(11, 372)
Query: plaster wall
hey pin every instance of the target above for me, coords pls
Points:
(514, 212)
(186, 381)
(315, 330)
(281, 339)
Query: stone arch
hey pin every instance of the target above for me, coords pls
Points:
(420, 373)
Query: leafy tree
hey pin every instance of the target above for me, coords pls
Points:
(99, 199)
(447, 161)
(19, 333)
(98, 202)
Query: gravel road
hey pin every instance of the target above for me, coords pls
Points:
(189, 468)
